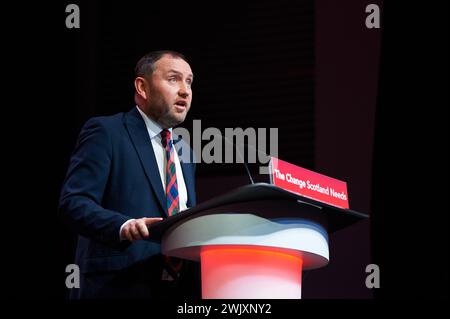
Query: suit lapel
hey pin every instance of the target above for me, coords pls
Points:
(139, 136)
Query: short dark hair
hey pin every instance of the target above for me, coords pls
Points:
(146, 65)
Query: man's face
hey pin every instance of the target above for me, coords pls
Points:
(170, 92)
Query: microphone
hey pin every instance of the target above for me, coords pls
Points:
(227, 140)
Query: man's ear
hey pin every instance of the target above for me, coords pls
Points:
(141, 86)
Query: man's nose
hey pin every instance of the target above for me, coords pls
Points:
(184, 91)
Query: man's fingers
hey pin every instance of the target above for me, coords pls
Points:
(126, 233)
(135, 232)
(151, 220)
(137, 229)
(142, 228)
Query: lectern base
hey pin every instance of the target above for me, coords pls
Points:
(250, 272)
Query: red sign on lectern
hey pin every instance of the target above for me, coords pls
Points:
(308, 183)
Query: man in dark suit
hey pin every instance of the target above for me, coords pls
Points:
(126, 174)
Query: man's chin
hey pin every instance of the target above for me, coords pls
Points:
(177, 120)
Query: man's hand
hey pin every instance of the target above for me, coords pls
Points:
(137, 229)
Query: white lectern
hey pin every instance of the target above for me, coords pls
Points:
(255, 241)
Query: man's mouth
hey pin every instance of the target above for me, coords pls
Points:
(181, 104)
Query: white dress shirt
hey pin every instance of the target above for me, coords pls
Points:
(154, 131)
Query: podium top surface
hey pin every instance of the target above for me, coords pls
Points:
(259, 196)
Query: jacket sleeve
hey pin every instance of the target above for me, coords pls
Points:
(84, 185)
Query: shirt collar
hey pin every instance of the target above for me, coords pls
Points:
(153, 127)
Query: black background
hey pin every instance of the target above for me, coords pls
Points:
(253, 62)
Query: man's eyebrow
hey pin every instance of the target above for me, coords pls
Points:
(178, 72)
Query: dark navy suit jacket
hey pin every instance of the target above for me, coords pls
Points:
(113, 176)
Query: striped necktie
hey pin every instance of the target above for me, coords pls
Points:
(172, 264)
(172, 198)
